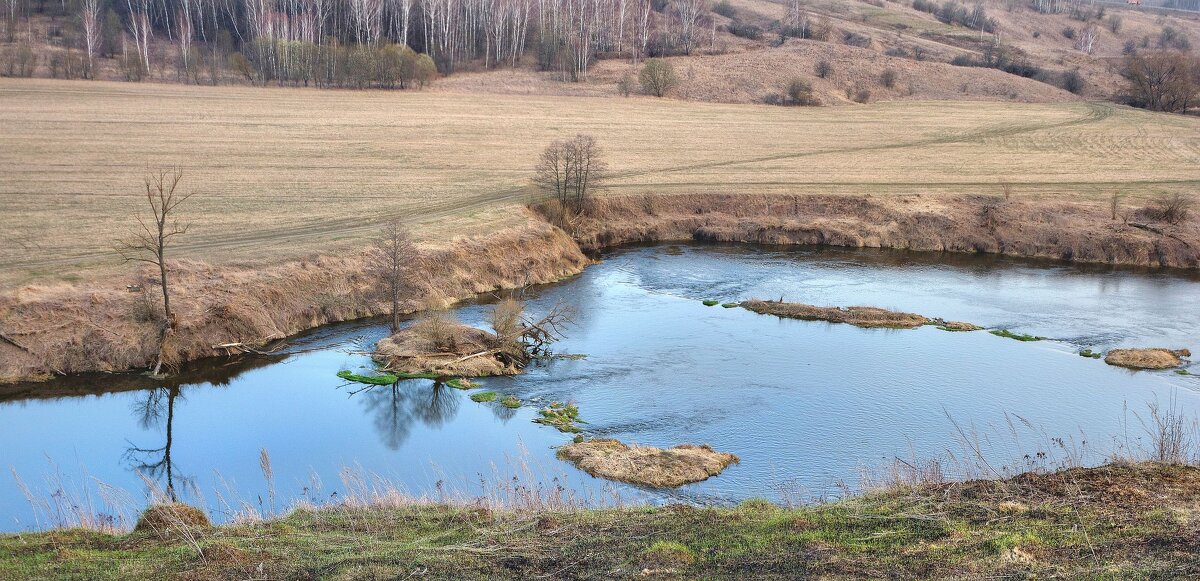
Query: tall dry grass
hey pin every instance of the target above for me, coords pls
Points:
(68, 329)
(1078, 231)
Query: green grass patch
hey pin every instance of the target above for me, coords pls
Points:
(561, 416)
(1017, 336)
(730, 305)
(462, 383)
(382, 379)
(710, 303)
(1182, 372)
(511, 402)
(1090, 354)
(484, 396)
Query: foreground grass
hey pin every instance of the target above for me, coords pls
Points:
(1119, 521)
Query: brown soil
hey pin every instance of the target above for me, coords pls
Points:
(867, 317)
(409, 351)
(644, 465)
(1058, 228)
(101, 326)
(1154, 358)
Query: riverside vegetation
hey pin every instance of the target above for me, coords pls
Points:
(1119, 521)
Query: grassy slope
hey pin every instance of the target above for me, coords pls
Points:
(281, 173)
(1118, 521)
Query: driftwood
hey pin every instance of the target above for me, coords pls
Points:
(240, 348)
(14, 343)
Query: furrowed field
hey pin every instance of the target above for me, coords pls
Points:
(286, 172)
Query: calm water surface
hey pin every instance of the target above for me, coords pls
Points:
(806, 405)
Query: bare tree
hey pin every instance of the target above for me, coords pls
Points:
(394, 254)
(568, 170)
(1162, 80)
(150, 241)
(90, 19)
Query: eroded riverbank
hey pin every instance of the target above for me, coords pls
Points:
(100, 326)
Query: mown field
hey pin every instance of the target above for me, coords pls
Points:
(287, 172)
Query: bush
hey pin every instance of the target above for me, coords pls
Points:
(859, 94)
(724, 8)
(626, 85)
(824, 69)
(657, 77)
(1114, 24)
(925, 6)
(1073, 81)
(856, 39)
(1171, 209)
(19, 61)
(888, 78)
(745, 30)
(1069, 33)
(800, 93)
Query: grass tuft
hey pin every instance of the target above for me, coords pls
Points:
(1090, 354)
(511, 402)
(710, 302)
(484, 396)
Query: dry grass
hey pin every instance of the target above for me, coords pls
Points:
(866, 317)
(1079, 229)
(75, 328)
(1154, 358)
(281, 173)
(646, 465)
(458, 350)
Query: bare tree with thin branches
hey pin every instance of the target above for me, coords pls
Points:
(149, 242)
(394, 254)
(568, 171)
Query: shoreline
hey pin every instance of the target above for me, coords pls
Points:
(66, 330)
(1127, 519)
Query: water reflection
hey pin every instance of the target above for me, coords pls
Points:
(394, 408)
(154, 408)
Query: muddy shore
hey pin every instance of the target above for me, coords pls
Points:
(46, 331)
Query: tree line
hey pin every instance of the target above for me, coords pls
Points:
(353, 43)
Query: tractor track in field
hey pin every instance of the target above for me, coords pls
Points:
(356, 225)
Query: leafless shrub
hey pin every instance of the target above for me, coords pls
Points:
(1172, 209)
(506, 318)
(436, 328)
(1172, 435)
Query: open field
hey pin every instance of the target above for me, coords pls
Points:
(289, 172)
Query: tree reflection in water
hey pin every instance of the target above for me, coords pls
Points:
(153, 408)
(395, 407)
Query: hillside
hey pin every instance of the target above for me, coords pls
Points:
(748, 50)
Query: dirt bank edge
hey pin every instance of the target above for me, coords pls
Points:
(69, 329)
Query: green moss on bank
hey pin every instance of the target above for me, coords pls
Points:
(1017, 336)
(1114, 522)
(382, 379)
